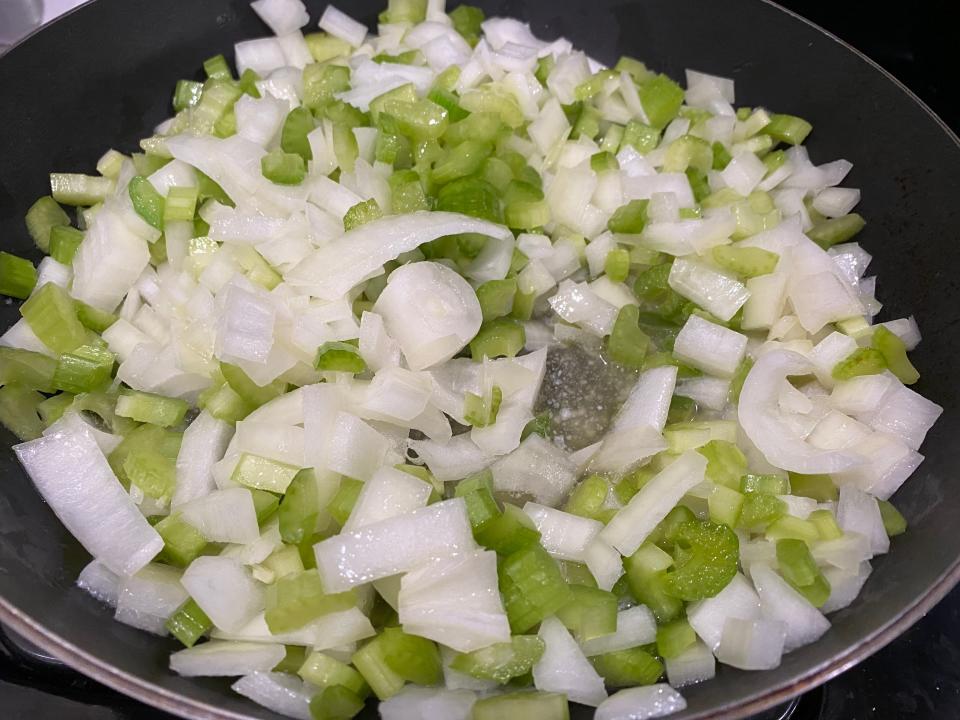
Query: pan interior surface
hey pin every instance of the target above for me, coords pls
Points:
(102, 77)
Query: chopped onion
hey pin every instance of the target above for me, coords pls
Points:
(101, 582)
(420, 703)
(342, 26)
(224, 590)
(845, 586)
(147, 599)
(226, 658)
(451, 460)
(538, 468)
(737, 600)
(636, 626)
(693, 665)
(781, 603)
(563, 667)
(640, 703)
(223, 515)
(386, 494)
(564, 535)
(751, 644)
(281, 692)
(858, 512)
(710, 347)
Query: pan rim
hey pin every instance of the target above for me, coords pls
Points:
(187, 707)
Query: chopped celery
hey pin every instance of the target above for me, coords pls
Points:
(523, 705)
(189, 623)
(587, 123)
(862, 361)
(589, 497)
(480, 411)
(630, 218)
(149, 408)
(44, 215)
(80, 190)
(836, 230)
(627, 343)
(182, 543)
(793, 528)
(787, 129)
(826, 524)
(370, 661)
(339, 357)
(18, 411)
(462, 160)
(893, 522)
(636, 69)
(335, 702)
(324, 47)
(85, 369)
(361, 214)
(152, 472)
(501, 661)
(661, 98)
(53, 408)
(604, 161)
(686, 152)
(541, 425)
(739, 377)
(724, 505)
(293, 135)
(406, 192)
(617, 264)
(321, 82)
(682, 409)
(300, 508)
(466, 21)
(448, 100)
(477, 492)
(18, 276)
(591, 613)
(148, 203)
(895, 355)
(265, 504)
(800, 570)
(94, 319)
(705, 560)
(285, 561)
(667, 530)
(470, 196)
(770, 484)
(819, 487)
(759, 510)
(673, 638)
(341, 504)
(502, 337)
(480, 127)
(508, 532)
(628, 668)
(645, 573)
(413, 658)
(297, 599)
(52, 315)
(747, 262)
(64, 243)
(258, 472)
(640, 137)
(294, 657)
(726, 463)
(247, 389)
(496, 298)
(532, 587)
(283, 168)
(721, 157)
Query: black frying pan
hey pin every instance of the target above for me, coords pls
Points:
(102, 77)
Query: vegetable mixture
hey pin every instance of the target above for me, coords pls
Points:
(280, 374)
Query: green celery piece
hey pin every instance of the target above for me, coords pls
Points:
(698, 183)
(591, 613)
(335, 702)
(293, 135)
(182, 543)
(640, 137)
(787, 129)
(18, 411)
(480, 411)
(186, 94)
(542, 425)
(862, 361)
(265, 504)
(370, 661)
(283, 168)
(818, 592)
(725, 505)
(739, 377)
(507, 532)
(449, 101)
(895, 355)
(588, 498)
(477, 492)
(526, 214)
(667, 530)
(158, 251)
(629, 219)
(688, 151)
(798, 568)
(496, 298)
(462, 160)
(413, 658)
(611, 142)
(893, 521)
(721, 157)
(826, 524)
(181, 204)
(466, 21)
(470, 196)
(247, 389)
(150, 408)
(325, 671)
(103, 405)
(189, 623)
(339, 357)
(503, 337)
(448, 79)
(53, 408)
(285, 560)
(147, 201)
(661, 98)
(254, 471)
(682, 409)
(636, 69)
(604, 161)
(790, 527)
(587, 124)
(628, 344)
(532, 587)
(673, 638)
(594, 84)
(26, 368)
(80, 190)
(341, 505)
(404, 11)
(747, 262)
(502, 662)
(421, 472)
(44, 215)
(706, 557)
(523, 705)
(295, 600)
(819, 487)
(419, 120)
(150, 471)
(300, 508)
(836, 230)
(577, 574)
(293, 658)
(64, 243)
(406, 192)
(322, 82)
(404, 93)
(18, 276)
(85, 369)
(726, 463)
(770, 484)
(495, 101)
(628, 668)
(324, 47)
(410, 57)
(217, 68)
(224, 403)
(617, 264)
(645, 574)
(759, 511)
(52, 315)
(361, 214)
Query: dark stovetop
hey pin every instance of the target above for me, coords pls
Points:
(917, 677)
